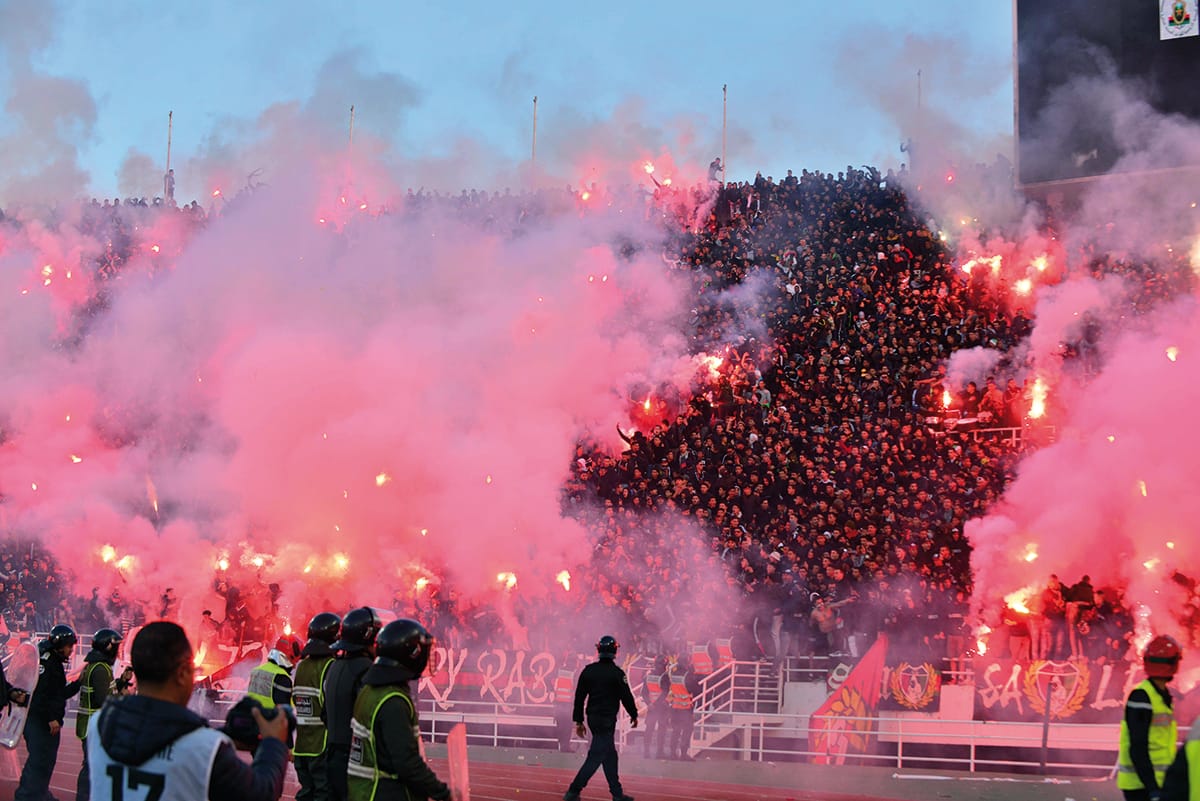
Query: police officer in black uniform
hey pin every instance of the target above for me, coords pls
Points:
(354, 652)
(46, 712)
(604, 687)
(386, 760)
(96, 683)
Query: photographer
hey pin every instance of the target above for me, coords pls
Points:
(152, 740)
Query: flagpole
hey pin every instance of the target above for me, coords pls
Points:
(168, 195)
(534, 151)
(352, 126)
(724, 128)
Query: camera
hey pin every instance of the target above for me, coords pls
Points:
(241, 727)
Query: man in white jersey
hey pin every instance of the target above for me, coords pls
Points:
(151, 746)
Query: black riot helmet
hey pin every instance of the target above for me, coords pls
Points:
(359, 628)
(59, 636)
(324, 627)
(405, 643)
(106, 641)
(607, 647)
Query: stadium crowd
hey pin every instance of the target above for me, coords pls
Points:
(811, 473)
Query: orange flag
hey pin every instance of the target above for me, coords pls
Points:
(843, 724)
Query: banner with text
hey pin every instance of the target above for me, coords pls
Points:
(1077, 692)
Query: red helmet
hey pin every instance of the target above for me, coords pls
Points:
(1161, 659)
(286, 651)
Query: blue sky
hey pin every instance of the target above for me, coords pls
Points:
(811, 84)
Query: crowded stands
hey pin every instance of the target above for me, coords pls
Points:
(806, 476)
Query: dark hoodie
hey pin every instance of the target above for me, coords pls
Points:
(397, 750)
(135, 728)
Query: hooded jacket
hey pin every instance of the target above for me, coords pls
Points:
(134, 729)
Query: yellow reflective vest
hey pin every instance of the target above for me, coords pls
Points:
(309, 701)
(262, 683)
(363, 774)
(1163, 736)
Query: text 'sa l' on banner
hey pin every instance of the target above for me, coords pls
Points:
(843, 725)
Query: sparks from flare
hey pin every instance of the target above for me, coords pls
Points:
(152, 495)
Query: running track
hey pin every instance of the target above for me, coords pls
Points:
(540, 776)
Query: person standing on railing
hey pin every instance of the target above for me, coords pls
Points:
(1149, 731)
(605, 689)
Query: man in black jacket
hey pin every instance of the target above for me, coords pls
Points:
(354, 652)
(153, 745)
(46, 711)
(386, 762)
(604, 687)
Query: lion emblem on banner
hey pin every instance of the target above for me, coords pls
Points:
(915, 686)
(1064, 685)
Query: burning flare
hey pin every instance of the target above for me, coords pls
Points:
(1037, 406)
(1018, 601)
(509, 580)
(564, 578)
(1172, 353)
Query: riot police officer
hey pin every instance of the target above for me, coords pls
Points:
(605, 689)
(96, 683)
(309, 701)
(386, 759)
(353, 651)
(46, 711)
